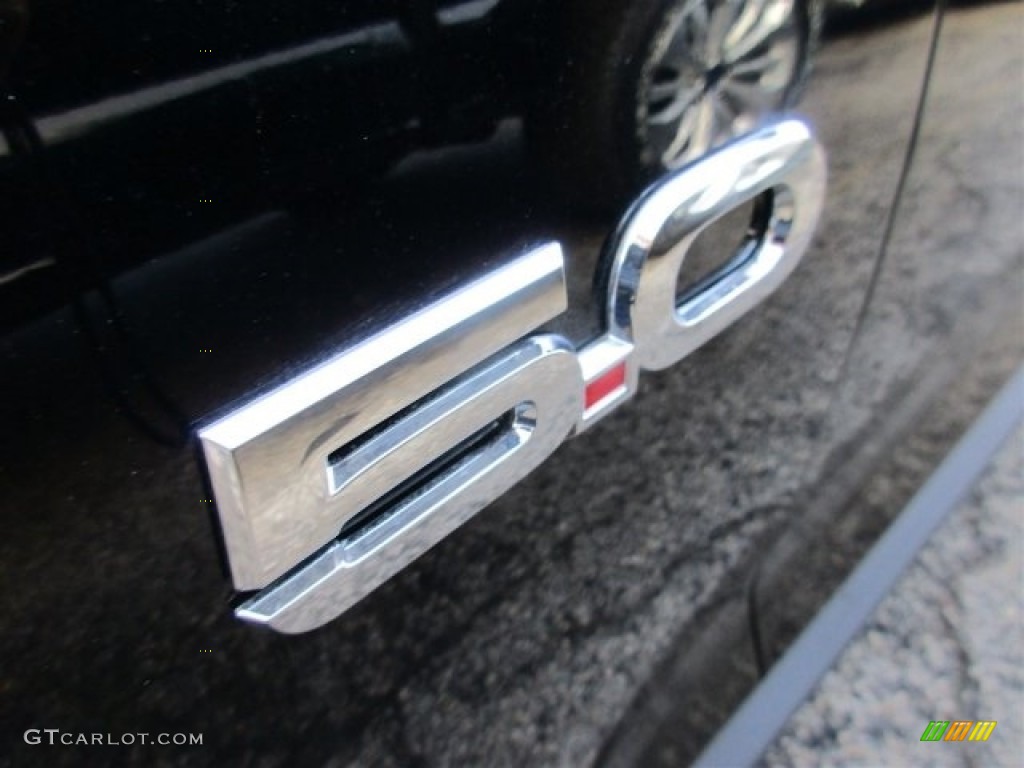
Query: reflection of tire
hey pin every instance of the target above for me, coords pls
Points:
(645, 86)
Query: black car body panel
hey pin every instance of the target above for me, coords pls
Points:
(201, 200)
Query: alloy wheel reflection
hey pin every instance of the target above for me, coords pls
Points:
(717, 68)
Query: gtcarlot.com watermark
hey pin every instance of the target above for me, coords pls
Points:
(56, 737)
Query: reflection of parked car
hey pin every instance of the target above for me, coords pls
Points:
(166, 124)
(645, 88)
(209, 204)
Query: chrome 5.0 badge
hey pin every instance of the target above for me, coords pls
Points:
(333, 482)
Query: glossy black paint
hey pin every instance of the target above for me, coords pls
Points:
(110, 576)
(141, 128)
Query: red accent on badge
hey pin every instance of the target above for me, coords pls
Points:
(608, 382)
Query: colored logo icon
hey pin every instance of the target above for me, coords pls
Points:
(958, 730)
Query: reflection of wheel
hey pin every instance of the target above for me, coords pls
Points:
(645, 86)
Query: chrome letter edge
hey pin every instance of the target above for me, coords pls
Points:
(537, 384)
(269, 461)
